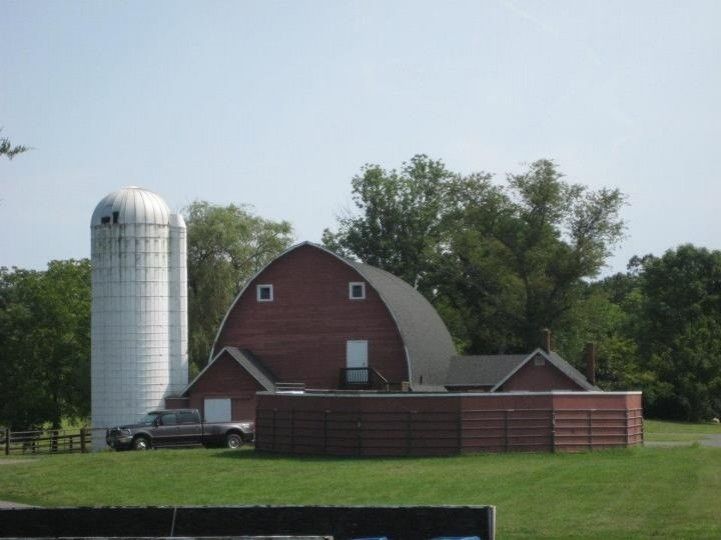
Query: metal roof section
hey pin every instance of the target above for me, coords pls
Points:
(555, 359)
(133, 204)
(427, 340)
(482, 370)
(248, 361)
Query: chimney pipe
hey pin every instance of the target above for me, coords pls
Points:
(546, 340)
(591, 362)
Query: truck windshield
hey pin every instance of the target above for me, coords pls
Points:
(148, 419)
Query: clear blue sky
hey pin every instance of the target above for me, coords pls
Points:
(278, 104)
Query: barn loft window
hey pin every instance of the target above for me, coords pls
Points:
(264, 293)
(116, 215)
(538, 360)
(105, 219)
(356, 290)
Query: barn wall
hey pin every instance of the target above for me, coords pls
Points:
(533, 378)
(225, 378)
(409, 424)
(301, 335)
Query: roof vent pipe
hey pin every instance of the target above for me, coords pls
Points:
(591, 362)
(546, 340)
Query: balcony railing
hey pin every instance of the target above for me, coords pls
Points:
(362, 379)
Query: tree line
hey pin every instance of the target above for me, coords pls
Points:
(498, 260)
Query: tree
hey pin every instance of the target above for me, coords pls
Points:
(226, 247)
(498, 262)
(45, 344)
(679, 332)
(398, 226)
(7, 149)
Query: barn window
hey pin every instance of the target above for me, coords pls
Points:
(538, 360)
(105, 219)
(356, 290)
(265, 293)
(116, 215)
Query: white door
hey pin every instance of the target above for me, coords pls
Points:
(217, 410)
(356, 354)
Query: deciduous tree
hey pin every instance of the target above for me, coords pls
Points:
(227, 245)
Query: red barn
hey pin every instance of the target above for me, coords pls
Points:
(313, 319)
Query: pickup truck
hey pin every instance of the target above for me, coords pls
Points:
(178, 427)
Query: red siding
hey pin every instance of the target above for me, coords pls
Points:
(407, 424)
(301, 335)
(533, 378)
(226, 379)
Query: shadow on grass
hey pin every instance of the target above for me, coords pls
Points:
(248, 454)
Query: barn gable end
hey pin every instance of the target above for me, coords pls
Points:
(300, 331)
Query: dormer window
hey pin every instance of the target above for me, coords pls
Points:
(356, 290)
(264, 293)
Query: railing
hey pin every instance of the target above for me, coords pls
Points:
(362, 379)
(290, 387)
(48, 441)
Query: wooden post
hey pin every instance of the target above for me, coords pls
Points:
(628, 435)
(460, 431)
(82, 440)
(359, 426)
(7, 441)
(409, 430)
(273, 438)
(505, 430)
(590, 430)
(292, 431)
(325, 431)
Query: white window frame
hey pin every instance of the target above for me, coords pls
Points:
(350, 290)
(262, 286)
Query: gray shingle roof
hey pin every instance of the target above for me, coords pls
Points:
(571, 371)
(494, 370)
(483, 370)
(248, 362)
(428, 343)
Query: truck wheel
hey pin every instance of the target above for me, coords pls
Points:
(141, 443)
(233, 441)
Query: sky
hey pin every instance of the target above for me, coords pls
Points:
(277, 105)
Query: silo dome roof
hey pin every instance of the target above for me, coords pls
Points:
(131, 204)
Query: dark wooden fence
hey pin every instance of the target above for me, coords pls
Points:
(554, 430)
(339, 522)
(48, 441)
(420, 433)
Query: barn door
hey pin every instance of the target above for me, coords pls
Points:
(217, 410)
(357, 362)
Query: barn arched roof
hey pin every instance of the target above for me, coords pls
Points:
(428, 344)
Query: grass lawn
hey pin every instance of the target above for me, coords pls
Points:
(656, 430)
(631, 493)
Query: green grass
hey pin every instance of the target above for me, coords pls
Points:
(630, 493)
(661, 431)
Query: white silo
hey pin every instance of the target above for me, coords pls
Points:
(139, 328)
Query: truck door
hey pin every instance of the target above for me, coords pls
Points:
(165, 432)
(190, 431)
